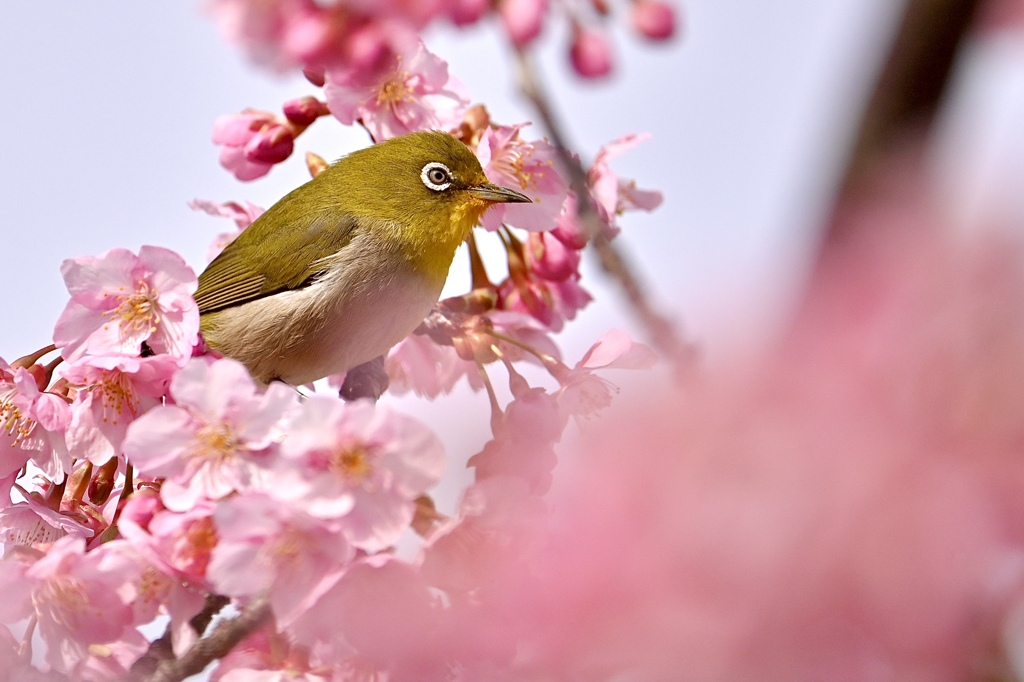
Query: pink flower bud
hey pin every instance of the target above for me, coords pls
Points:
(304, 110)
(591, 54)
(272, 144)
(315, 75)
(523, 19)
(465, 12)
(653, 19)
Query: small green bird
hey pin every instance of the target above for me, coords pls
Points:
(347, 265)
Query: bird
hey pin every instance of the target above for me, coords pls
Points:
(348, 264)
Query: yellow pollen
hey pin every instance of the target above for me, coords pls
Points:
(352, 463)
(12, 422)
(116, 396)
(199, 541)
(138, 311)
(394, 90)
(512, 162)
(62, 598)
(215, 441)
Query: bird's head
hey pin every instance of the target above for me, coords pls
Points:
(427, 189)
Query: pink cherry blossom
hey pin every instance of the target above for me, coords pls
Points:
(177, 544)
(79, 599)
(120, 300)
(653, 19)
(214, 439)
(283, 34)
(583, 393)
(270, 657)
(523, 19)
(548, 257)
(363, 463)
(252, 142)
(35, 523)
(113, 390)
(529, 167)
(32, 426)
(551, 303)
(266, 545)
(242, 213)
(419, 365)
(590, 52)
(415, 93)
(613, 194)
(382, 613)
(524, 441)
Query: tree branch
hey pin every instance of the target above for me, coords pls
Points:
(660, 329)
(224, 637)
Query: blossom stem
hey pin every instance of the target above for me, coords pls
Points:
(29, 360)
(661, 330)
(25, 651)
(516, 383)
(476, 265)
(496, 412)
(80, 482)
(556, 368)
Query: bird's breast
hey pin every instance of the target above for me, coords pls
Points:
(366, 300)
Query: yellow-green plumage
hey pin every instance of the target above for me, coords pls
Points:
(347, 264)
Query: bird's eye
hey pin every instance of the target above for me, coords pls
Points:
(436, 176)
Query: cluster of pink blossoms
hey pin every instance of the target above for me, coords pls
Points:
(364, 35)
(140, 477)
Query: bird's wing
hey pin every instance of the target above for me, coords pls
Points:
(247, 269)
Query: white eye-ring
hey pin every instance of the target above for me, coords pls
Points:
(436, 176)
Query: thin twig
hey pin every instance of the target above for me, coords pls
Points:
(224, 637)
(660, 329)
(161, 649)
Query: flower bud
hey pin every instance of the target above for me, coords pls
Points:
(315, 75)
(654, 19)
(523, 19)
(304, 110)
(590, 54)
(465, 12)
(272, 144)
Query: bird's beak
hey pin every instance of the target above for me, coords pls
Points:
(498, 194)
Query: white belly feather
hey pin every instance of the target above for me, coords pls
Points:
(350, 315)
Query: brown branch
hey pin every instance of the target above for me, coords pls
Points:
(908, 92)
(224, 637)
(161, 650)
(660, 329)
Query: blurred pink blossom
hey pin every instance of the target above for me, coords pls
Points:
(613, 194)
(653, 19)
(590, 52)
(177, 544)
(120, 300)
(243, 214)
(359, 463)
(268, 546)
(415, 93)
(583, 393)
(79, 599)
(523, 19)
(283, 34)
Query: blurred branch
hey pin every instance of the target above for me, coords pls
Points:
(909, 88)
(662, 332)
(223, 639)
